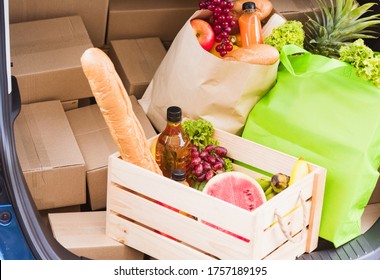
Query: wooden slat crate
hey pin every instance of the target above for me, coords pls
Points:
(284, 227)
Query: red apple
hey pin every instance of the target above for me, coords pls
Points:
(204, 32)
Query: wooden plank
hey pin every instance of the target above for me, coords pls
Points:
(288, 251)
(316, 210)
(181, 197)
(149, 242)
(177, 225)
(255, 154)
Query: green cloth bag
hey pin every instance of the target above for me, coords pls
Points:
(321, 111)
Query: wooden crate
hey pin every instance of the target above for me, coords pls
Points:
(284, 227)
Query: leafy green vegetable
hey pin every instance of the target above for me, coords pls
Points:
(288, 33)
(366, 62)
(200, 132)
(228, 166)
(201, 135)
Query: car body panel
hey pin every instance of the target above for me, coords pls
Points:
(12, 242)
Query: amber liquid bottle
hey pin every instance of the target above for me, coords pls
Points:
(179, 176)
(173, 150)
(250, 26)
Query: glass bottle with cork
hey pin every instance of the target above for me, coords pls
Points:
(173, 148)
(250, 26)
(179, 176)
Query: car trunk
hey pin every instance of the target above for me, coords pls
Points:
(55, 143)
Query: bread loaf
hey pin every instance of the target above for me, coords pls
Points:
(116, 107)
(261, 54)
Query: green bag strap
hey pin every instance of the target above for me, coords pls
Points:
(288, 50)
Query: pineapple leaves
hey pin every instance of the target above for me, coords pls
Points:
(339, 8)
(355, 14)
(326, 14)
(338, 22)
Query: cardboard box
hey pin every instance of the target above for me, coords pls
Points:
(49, 156)
(83, 234)
(96, 144)
(284, 227)
(93, 12)
(130, 19)
(144, 121)
(70, 105)
(136, 61)
(295, 9)
(46, 59)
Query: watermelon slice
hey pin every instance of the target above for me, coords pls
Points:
(236, 188)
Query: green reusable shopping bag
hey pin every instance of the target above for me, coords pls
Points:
(321, 111)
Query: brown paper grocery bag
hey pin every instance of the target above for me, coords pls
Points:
(205, 86)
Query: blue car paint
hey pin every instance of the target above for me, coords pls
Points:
(13, 245)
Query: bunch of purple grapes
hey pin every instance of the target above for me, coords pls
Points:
(207, 162)
(223, 23)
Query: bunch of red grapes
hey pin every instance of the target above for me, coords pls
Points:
(223, 22)
(207, 162)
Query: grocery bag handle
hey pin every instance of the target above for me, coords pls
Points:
(281, 223)
(289, 50)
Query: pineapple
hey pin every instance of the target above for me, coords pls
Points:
(339, 23)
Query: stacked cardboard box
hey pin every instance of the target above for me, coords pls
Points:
(58, 165)
(96, 144)
(49, 155)
(46, 59)
(93, 12)
(130, 19)
(136, 61)
(295, 9)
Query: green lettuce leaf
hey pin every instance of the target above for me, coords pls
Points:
(366, 62)
(288, 33)
(200, 132)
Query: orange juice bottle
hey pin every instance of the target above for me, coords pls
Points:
(250, 26)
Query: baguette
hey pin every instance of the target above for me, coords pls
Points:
(260, 54)
(116, 107)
